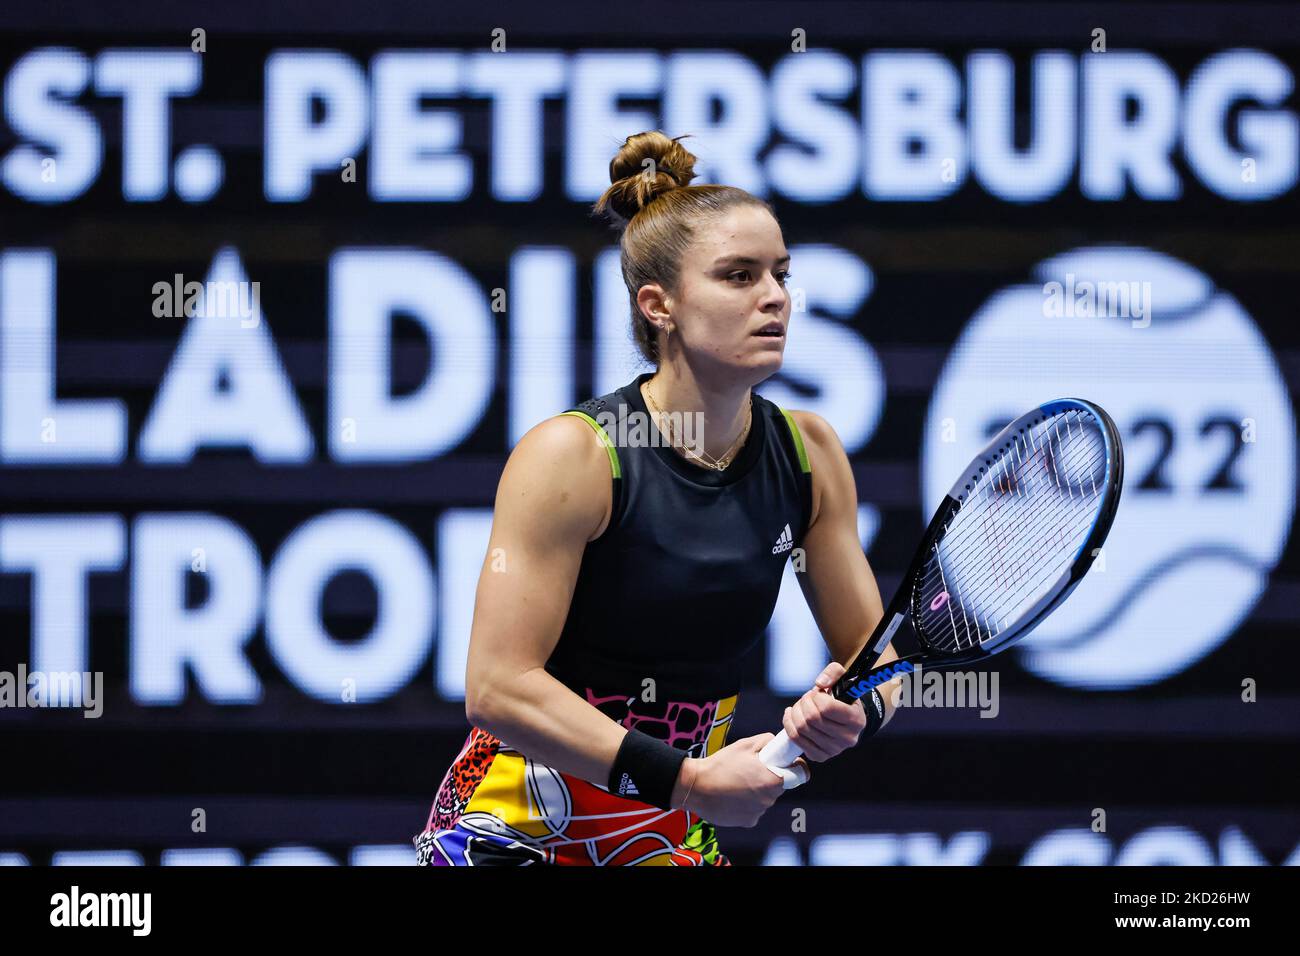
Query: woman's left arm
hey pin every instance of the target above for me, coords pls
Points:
(842, 594)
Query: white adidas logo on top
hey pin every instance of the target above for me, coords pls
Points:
(785, 542)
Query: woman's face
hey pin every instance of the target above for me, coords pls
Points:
(732, 289)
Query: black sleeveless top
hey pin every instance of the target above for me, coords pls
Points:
(677, 589)
(681, 584)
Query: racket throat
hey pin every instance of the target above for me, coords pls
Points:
(866, 672)
(888, 635)
(863, 684)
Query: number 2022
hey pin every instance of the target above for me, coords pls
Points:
(1222, 478)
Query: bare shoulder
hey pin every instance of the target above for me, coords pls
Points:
(812, 426)
(819, 438)
(560, 469)
(832, 475)
(562, 436)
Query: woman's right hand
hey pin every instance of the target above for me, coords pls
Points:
(731, 788)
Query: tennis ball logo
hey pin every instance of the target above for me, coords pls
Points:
(1209, 440)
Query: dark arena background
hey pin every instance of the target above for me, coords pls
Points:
(261, 520)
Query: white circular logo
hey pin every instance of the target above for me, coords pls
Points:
(1209, 441)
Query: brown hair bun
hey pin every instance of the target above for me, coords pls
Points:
(648, 165)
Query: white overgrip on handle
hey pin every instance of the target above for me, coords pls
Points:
(779, 755)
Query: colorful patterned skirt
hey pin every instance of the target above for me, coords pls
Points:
(497, 806)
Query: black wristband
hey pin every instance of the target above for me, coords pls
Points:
(646, 770)
(874, 705)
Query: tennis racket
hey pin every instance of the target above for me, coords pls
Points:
(1013, 537)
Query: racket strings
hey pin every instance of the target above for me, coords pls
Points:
(958, 546)
(952, 617)
(999, 528)
(989, 564)
(978, 613)
(997, 620)
(979, 636)
(998, 575)
(1015, 529)
(967, 530)
(1041, 455)
(983, 615)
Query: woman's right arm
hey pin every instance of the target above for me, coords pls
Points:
(554, 496)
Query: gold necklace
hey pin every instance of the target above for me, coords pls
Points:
(708, 461)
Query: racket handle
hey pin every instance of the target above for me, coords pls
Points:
(779, 755)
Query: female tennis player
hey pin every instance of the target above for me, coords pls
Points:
(635, 561)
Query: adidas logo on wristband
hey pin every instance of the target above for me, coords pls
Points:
(626, 786)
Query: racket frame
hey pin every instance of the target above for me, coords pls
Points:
(900, 610)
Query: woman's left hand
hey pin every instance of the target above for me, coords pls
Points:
(819, 724)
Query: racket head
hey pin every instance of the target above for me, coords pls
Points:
(1018, 530)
